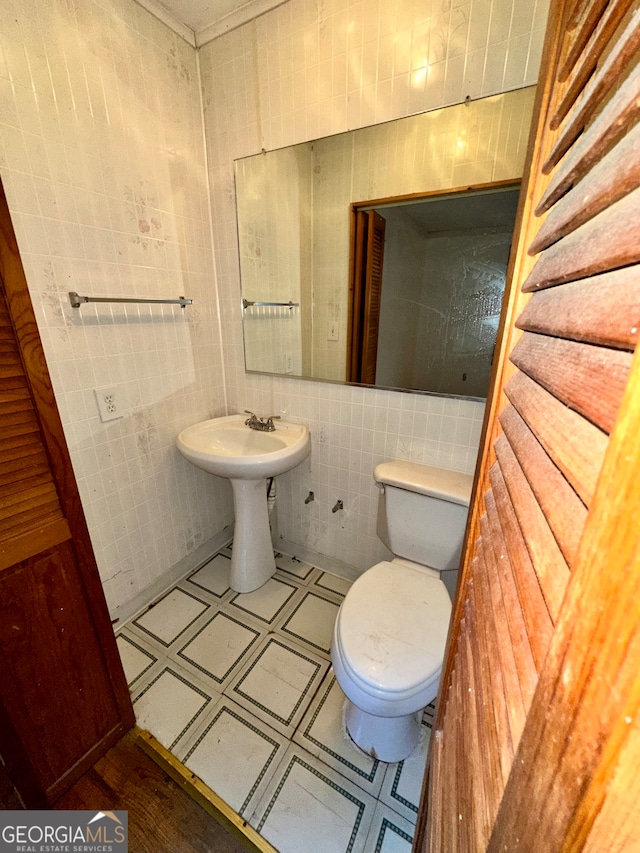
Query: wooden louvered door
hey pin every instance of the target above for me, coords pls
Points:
(536, 745)
(63, 695)
(365, 291)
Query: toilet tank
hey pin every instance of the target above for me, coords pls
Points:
(422, 512)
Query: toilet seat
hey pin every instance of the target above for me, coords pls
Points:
(391, 631)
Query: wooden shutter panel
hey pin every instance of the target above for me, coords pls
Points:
(537, 729)
(29, 498)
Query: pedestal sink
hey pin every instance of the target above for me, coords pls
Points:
(248, 458)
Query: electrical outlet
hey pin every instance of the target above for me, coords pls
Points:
(108, 404)
(288, 362)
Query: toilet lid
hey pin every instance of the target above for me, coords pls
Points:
(393, 628)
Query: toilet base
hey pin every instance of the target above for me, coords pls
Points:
(389, 739)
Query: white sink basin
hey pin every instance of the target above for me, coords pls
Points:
(247, 457)
(228, 448)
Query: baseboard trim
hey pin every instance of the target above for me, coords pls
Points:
(327, 564)
(203, 795)
(131, 609)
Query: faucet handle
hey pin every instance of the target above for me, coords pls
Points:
(269, 422)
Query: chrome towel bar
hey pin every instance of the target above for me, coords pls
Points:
(76, 301)
(248, 303)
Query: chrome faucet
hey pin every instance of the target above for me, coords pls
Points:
(261, 424)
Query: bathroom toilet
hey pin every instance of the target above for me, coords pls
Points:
(390, 632)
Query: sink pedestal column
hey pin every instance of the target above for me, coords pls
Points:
(252, 562)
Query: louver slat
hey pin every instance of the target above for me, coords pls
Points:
(560, 505)
(582, 21)
(597, 91)
(608, 241)
(608, 182)
(515, 662)
(549, 565)
(617, 116)
(603, 310)
(574, 444)
(500, 568)
(529, 606)
(500, 751)
(581, 62)
(587, 378)
(28, 498)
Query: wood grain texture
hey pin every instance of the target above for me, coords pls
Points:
(575, 445)
(608, 241)
(602, 310)
(615, 175)
(588, 379)
(619, 62)
(582, 20)
(549, 566)
(163, 818)
(586, 50)
(568, 755)
(529, 604)
(619, 114)
(558, 502)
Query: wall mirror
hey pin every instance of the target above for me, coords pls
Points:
(295, 208)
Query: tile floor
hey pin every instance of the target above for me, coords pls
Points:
(240, 688)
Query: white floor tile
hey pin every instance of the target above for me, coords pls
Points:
(170, 705)
(308, 806)
(171, 616)
(219, 647)
(266, 604)
(213, 577)
(278, 684)
(312, 621)
(332, 583)
(322, 733)
(389, 833)
(294, 566)
(402, 784)
(234, 756)
(136, 659)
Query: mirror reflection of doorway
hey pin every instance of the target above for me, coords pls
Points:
(427, 317)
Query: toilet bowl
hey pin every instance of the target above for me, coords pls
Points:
(390, 633)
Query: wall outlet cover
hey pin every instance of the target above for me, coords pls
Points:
(108, 404)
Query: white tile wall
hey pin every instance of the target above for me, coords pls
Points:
(101, 155)
(102, 159)
(306, 70)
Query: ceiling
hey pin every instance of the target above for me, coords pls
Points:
(199, 21)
